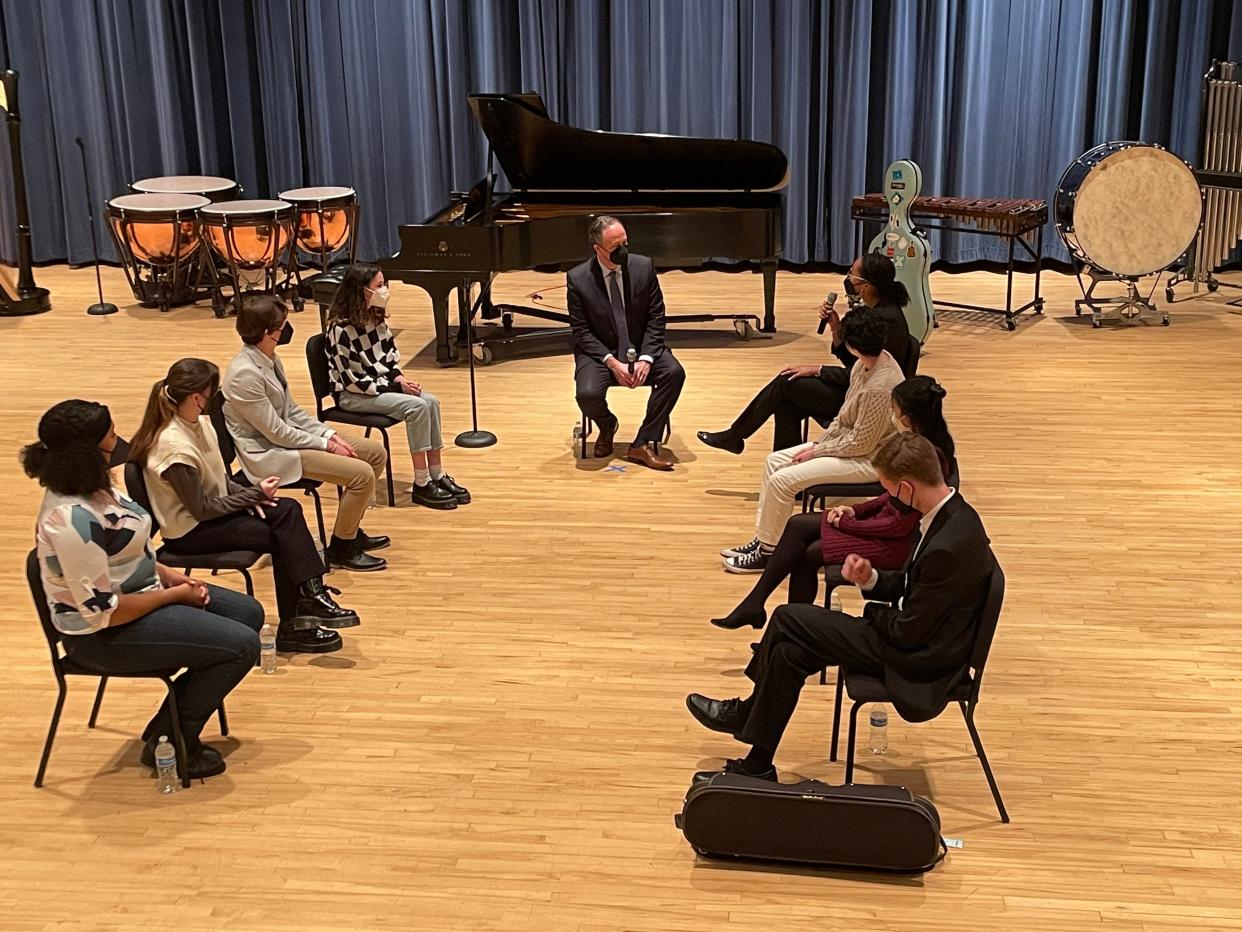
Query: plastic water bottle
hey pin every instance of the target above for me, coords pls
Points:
(267, 649)
(166, 779)
(879, 730)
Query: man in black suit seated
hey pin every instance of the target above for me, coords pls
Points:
(616, 311)
(920, 649)
(817, 391)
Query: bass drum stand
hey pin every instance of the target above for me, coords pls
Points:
(1130, 307)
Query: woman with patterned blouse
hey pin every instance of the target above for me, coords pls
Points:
(364, 366)
(119, 611)
(842, 453)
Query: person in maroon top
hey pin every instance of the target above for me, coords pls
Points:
(882, 530)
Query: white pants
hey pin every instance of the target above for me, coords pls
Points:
(783, 480)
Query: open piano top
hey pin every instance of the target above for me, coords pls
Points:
(682, 200)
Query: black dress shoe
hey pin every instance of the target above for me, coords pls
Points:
(740, 619)
(317, 608)
(373, 542)
(603, 443)
(723, 440)
(205, 761)
(723, 715)
(313, 641)
(735, 766)
(349, 555)
(433, 495)
(459, 492)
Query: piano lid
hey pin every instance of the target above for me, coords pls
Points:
(539, 154)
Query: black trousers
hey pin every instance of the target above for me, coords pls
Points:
(593, 379)
(801, 640)
(283, 534)
(789, 401)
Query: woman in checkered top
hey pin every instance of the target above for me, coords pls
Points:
(364, 366)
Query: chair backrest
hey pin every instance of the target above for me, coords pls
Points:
(228, 449)
(136, 486)
(989, 617)
(317, 362)
(35, 580)
(910, 362)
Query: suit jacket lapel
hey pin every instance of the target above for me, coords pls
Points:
(923, 542)
(597, 275)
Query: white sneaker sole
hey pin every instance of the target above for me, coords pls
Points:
(742, 571)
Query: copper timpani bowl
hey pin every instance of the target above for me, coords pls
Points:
(325, 216)
(248, 234)
(158, 229)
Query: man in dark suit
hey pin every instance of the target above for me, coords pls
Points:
(816, 391)
(920, 649)
(616, 311)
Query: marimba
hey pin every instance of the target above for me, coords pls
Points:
(1019, 221)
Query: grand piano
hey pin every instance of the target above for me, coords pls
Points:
(682, 200)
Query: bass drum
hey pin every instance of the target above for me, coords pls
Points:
(1128, 208)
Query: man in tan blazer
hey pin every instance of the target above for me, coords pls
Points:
(275, 437)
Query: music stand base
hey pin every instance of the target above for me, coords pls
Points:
(475, 439)
(99, 310)
(35, 301)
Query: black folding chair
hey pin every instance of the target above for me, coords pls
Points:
(239, 560)
(228, 450)
(317, 362)
(863, 689)
(64, 665)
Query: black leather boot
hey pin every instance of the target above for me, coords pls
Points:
(316, 608)
(373, 542)
(290, 640)
(349, 555)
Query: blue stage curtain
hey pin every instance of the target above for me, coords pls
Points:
(990, 97)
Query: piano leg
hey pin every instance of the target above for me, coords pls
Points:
(768, 267)
(446, 352)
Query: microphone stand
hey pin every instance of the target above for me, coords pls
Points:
(102, 307)
(29, 297)
(475, 438)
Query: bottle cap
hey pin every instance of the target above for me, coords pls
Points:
(163, 737)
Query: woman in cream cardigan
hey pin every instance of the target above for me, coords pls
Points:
(200, 509)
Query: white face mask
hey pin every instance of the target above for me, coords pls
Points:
(379, 297)
(900, 425)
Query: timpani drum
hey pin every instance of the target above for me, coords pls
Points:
(158, 239)
(208, 186)
(1128, 209)
(248, 235)
(326, 217)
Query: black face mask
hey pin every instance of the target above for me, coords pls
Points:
(899, 504)
(119, 455)
(620, 256)
(849, 287)
(286, 334)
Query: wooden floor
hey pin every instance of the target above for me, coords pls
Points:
(503, 743)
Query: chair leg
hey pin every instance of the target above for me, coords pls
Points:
(249, 582)
(51, 735)
(392, 494)
(836, 714)
(849, 750)
(585, 431)
(224, 721)
(183, 762)
(968, 713)
(323, 534)
(90, 722)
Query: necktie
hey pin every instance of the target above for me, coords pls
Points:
(618, 316)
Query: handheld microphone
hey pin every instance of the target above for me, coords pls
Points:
(103, 307)
(630, 357)
(823, 323)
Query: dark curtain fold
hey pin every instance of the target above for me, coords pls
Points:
(990, 97)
